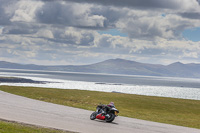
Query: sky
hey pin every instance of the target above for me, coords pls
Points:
(78, 32)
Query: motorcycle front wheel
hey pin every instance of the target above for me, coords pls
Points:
(93, 116)
(111, 118)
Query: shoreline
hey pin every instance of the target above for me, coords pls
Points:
(19, 80)
(159, 91)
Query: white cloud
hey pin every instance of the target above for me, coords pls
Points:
(105, 46)
(1, 30)
(69, 14)
(25, 11)
(66, 31)
(146, 4)
(150, 25)
(45, 33)
(144, 24)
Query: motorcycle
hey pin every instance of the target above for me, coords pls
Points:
(109, 115)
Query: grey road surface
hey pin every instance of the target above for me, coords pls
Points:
(25, 110)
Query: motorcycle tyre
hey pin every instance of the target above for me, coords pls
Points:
(112, 117)
(93, 116)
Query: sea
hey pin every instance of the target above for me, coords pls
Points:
(184, 88)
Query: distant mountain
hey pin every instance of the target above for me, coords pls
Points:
(119, 66)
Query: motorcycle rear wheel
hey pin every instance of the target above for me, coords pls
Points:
(111, 118)
(93, 116)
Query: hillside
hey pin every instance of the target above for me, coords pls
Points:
(119, 66)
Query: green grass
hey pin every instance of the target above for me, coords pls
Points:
(12, 127)
(165, 110)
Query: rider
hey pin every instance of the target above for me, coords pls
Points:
(111, 104)
(106, 108)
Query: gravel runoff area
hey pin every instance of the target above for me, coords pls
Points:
(25, 110)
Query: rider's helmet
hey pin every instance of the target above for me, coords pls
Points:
(111, 104)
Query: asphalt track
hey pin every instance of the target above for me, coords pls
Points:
(25, 110)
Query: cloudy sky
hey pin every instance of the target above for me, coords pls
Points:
(63, 32)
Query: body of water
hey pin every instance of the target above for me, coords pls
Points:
(186, 88)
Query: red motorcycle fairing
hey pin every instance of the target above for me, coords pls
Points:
(100, 117)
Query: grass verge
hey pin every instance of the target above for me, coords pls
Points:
(13, 127)
(165, 110)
